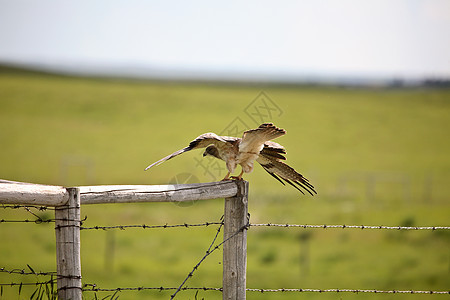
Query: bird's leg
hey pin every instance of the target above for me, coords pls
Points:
(238, 177)
(227, 177)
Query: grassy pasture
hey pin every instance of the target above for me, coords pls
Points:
(376, 156)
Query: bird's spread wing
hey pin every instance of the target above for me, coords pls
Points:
(254, 139)
(201, 141)
(273, 150)
(279, 169)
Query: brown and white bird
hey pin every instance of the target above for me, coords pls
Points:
(255, 145)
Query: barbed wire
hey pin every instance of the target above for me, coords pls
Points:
(144, 226)
(32, 272)
(324, 226)
(29, 210)
(40, 208)
(356, 291)
(40, 221)
(37, 221)
(29, 283)
(208, 252)
(187, 225)
(17, 206)
(93, 288)
(23, 272)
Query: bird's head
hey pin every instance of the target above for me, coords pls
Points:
(211, 150)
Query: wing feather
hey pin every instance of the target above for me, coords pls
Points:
(176, 153)
(274, 147)
(281, 170)
(273, 150)
(254, 139)
(201, 141)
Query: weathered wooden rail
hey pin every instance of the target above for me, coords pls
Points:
(68, 201)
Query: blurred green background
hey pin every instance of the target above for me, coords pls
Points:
(376, 157)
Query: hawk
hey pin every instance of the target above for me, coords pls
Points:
(255, 145)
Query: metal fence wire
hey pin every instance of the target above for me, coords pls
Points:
(33, 211)
(94, 288)
(90, 287)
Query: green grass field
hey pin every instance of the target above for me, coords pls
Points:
(376, 157)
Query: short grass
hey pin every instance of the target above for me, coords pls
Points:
(376, 156)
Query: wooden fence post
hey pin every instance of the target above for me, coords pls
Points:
(235, 249)
(68, 261)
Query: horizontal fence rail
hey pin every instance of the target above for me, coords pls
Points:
(157, 193)
(32, 194)
(46, 195)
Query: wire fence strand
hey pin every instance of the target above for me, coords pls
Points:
(32, 272)
(94, 288)
(17, 206)
(28, 208)
(23, 272)
(212, 247)
(208, 252)
(28, 283)
(144, 226)
(36, 221)
(283, 225)
(324, 226)
(305, 226)
(356, 291)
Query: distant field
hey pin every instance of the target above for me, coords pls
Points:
(376, 157)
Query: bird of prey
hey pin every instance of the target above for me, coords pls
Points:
(255, 145)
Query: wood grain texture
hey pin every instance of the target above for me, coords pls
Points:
(22, 193)
(32, 194)
(157, 193)
(235, 247)
(68, 260)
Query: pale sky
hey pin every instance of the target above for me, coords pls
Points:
(394, 38)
